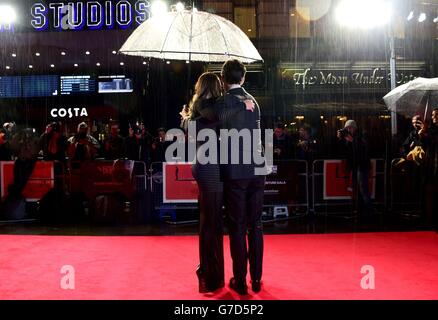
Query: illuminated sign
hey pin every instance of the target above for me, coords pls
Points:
(73, 85)
(115, 84)
(68, 112)
(359, 77)
(309, 77)
(91, 15)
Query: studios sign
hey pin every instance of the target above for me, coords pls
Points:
(92, 15)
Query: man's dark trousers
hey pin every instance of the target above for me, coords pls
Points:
(244, 203)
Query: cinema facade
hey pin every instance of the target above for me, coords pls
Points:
(313, 72)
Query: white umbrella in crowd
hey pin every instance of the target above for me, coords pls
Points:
(417, 97)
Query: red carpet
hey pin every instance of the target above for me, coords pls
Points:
(296, 267)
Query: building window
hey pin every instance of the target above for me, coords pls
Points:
(245, 19)
(299, 24)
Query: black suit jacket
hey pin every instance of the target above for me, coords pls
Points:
(245, 123)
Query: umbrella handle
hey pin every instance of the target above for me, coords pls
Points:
(426, 109)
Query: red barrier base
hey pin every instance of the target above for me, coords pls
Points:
(163, 267)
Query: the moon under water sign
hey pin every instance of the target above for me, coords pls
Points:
(68, 112)
(91, 15)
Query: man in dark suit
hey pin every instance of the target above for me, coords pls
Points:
(243, 183)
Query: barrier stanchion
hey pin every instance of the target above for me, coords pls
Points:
(287, 189)
(140, 176)
(142, 203)
(163, 211)
(156, 176)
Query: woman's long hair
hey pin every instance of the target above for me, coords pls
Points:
(208, 86)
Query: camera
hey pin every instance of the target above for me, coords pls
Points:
(343, 132)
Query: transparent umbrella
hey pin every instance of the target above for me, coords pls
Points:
(417, 97)
(190, 35)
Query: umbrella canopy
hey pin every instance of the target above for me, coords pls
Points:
(191, 36)
(417, 97)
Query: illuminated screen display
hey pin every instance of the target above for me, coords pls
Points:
(10, 87)
(115, 84)
(40, 86)
(76, 85)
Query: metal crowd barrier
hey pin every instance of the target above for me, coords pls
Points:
(81, 186)
(323, 202)
(296, 190)
(51, 180)
(43, 179)
(175, 212)
(286, 193)
(111, 190)
(289, 193)
(109, 175)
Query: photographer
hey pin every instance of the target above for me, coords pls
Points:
(137, 147)
(354, 147)
(53, 144)
(414, 139)
(6, 134)
(114, 144)
(82, 145)
(159, 146)
(283, 144)
(306, 146)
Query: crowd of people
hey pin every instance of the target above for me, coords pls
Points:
(54, 145)
(420, 149)
(300, 145)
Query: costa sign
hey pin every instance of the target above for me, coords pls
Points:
(68, 112)
(92, 15)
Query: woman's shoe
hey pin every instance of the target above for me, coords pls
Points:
(213, 286)
(208, 286)
(203, 288)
